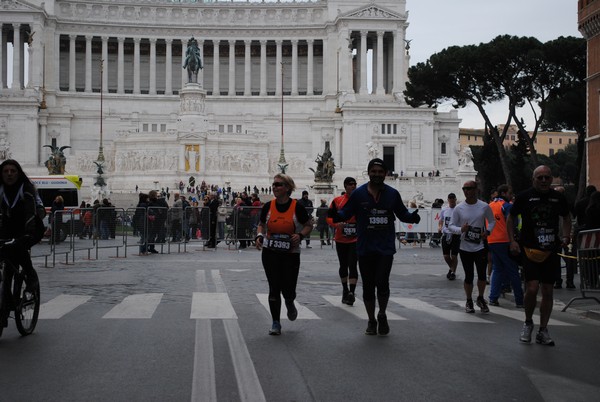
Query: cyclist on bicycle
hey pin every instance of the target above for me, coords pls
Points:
(18, 217)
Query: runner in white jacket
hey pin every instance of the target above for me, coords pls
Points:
(469, 220)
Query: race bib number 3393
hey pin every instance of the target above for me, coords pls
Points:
(279, 242)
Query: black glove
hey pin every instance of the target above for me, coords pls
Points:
(333, 213)
(415, 217)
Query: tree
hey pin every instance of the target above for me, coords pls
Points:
(522, 70)
(566, 109)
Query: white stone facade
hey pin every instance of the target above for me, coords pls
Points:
(127, 55)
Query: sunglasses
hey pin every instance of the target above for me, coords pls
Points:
(469, 188)
(277, 184)
(544, 178)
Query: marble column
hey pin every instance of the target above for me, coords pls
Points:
(17, 48)
(184, 77)
(169, 67)
(152, 86)
(399, 85)
(56, 61)
(278, 66)
(310, 68)
(72, 73)
(88, 63)
(380, 89)
(201, 71)
(231, 91)
(2, 58)
(120, 66)
(216, 67)
(247, 68)
(136, 65)
(104, 64)
(364, 88)
(294, 67)
(263, 68)
(345, 64)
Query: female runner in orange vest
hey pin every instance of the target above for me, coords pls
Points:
(282, 226)
(345, 244)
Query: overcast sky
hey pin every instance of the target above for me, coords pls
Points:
(438, 24)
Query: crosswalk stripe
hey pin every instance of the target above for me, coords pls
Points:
(358, 309)
(210, 305)
(303, 312)
(136, 306)
(449, 315)
(518, 315)
(61, 305)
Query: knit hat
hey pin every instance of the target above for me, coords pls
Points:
(377, 162)
(349, 180)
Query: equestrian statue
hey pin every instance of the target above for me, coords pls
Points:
(192, 62)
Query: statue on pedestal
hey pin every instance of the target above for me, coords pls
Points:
(57, 161)
(325, 166)
(192, 62)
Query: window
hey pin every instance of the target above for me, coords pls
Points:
(549, 140)
(395, 127)
(468, 138)
(443, 148)
(238, 128)
(389, 127)
(221, 128)
(154, 127)
(383, 129)
(145, 127)
(163, 128)
(388, 158)
(230, 128)
(550, 152)
(560, 140)
(569, 141)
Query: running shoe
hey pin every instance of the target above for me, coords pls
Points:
(448, 274)
(292, 313)
(543, 338)
(345, 297)
(371, 328)
(452, 276)
(519, 306)
(526, 332)
(469, 306)
(494, 303)
(384, 327)
(482, 304)
(350, 299)
(275, 328)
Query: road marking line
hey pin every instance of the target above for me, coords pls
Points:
(61, 305)
(449, 315)
(247, 380)
(136, 306)
(518, 315)
(204, 383)
(358, 309)
(303, 312)
(210, 305)
(204, 388)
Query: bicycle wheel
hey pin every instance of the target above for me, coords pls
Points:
(27, 309)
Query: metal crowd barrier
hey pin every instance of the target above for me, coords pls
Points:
(588, 258)
(241, 226)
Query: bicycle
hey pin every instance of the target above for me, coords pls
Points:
(14, 296)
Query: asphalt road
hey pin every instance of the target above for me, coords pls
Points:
(193, 326)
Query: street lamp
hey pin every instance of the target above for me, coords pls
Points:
(282, 163)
